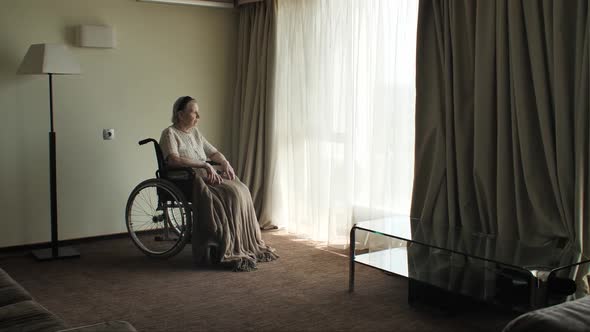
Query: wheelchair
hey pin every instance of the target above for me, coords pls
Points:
(159, 214)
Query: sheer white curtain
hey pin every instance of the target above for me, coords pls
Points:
(344, 122)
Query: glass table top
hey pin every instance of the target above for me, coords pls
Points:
(509, 252)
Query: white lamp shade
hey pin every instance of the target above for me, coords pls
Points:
(49, 59)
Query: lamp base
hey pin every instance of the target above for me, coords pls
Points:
(62, 252)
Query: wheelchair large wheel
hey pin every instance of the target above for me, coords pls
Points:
(158, 218)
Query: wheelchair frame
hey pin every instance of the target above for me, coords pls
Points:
(159, 213)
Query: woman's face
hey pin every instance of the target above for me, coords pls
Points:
(190, 116)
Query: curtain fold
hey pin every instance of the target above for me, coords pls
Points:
(502, 126)
(253, 102)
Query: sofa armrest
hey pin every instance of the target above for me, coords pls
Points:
(11, 291)
(113, 326)
(572, 316)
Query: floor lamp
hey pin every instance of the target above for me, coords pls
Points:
(51, 59)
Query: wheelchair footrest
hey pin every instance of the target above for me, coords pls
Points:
(212, 255)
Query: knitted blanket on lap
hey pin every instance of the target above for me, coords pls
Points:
(225, 213)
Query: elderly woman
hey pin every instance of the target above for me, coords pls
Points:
(223, 203)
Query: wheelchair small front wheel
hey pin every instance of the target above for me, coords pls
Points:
(158, 218)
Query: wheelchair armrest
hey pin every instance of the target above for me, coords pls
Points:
(182, 173)
(214, 163)
(178, 173)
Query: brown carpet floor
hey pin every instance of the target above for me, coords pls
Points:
(305, 290)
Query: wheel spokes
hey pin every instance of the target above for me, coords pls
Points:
(155, 225)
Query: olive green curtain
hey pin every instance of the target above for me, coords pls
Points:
(502, 124)
(252, 113)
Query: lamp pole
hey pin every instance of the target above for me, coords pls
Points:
(55, 252)
(52, 175)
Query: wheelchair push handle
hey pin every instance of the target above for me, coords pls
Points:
(159, 156)
(147, 140)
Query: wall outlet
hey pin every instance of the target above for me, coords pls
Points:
(108, 134)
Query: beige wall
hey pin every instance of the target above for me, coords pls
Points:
(163, 51)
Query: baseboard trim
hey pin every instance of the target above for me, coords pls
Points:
(70, 242)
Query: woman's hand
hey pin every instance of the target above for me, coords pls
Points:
(227, 171)
(212, 177)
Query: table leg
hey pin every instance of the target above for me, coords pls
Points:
(534, 284)
(351, 258)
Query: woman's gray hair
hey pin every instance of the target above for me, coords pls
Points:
(180, 105)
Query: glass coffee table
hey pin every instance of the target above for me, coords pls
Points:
(466, 263)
